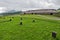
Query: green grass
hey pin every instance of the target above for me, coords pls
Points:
(58, 13)
(39, 30)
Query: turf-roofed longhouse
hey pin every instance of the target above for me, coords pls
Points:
(41, 11)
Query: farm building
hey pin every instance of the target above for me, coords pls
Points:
(41, 11)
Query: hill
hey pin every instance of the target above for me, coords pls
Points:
(10, 12)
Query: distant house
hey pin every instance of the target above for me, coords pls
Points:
(41, 11)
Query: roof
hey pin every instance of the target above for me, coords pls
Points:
(41, 11)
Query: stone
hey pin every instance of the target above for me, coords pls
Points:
(33, 20)
(20, 23)
(54, 34)
(21, 18)
(10, 19)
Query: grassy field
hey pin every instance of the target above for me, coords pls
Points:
(41, 29)
(58, 13)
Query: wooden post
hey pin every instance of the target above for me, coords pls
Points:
(54, 34)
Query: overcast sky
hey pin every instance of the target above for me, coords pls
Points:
(29, 4)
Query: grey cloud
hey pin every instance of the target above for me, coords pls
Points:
(29, 4)
(56, 2)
